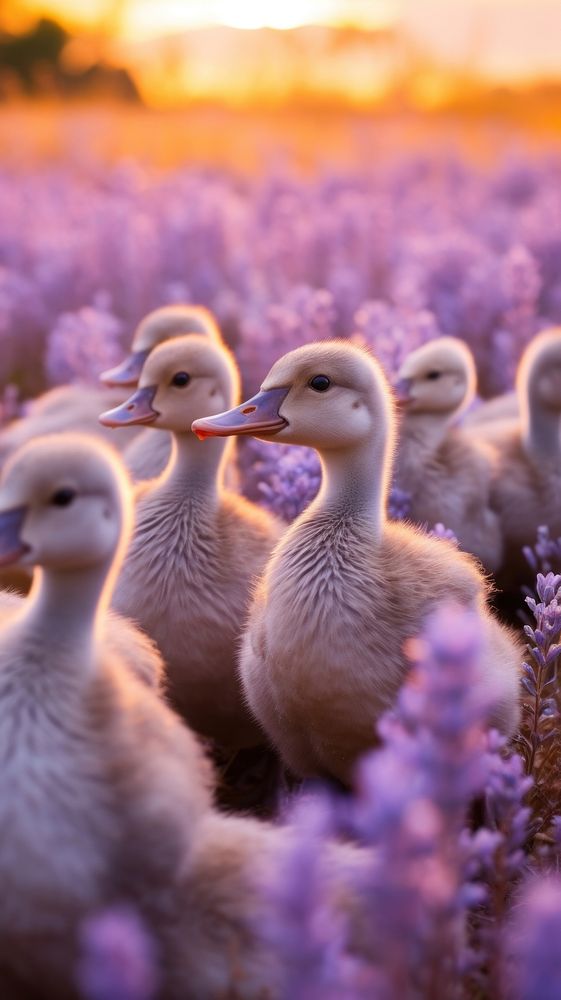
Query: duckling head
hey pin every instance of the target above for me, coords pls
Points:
(65, 504)
(438, 378)
(158, 326)
(182, 379)
(539, 372)
(330, 395)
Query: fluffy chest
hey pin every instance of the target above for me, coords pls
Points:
(322, 587)
(176, 549)
(183, 574)
(56, 813)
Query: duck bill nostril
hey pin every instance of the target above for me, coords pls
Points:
(12, 548)
(259, 415)
(136, 410)
(127, 373)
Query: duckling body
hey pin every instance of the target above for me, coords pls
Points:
(526, 488)
(323, 654)
(101, 785)
(504, 407)
(197, 548)
(527, 492)
(83, 818)
(68, 407)
(319, 686)
(187, 580)
(446, 473)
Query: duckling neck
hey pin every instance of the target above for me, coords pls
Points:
(426, 430)
(541, 430)
(196, 467)
(355, 482)
(66, 605)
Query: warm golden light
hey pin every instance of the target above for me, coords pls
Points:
(255, 14)
(358, 52)
(135, 20)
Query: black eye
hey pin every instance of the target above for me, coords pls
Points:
(63, 497)
(320, 383)
(181, 379)
(433, 375)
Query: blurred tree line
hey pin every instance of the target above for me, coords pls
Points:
(42, 61)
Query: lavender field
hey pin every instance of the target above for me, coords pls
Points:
(461, 895)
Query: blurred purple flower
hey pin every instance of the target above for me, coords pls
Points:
(84, 343)
(304, 930)
(399, 504)
(118, 959)
(532, 957)
(440, 531)
(412, 801)
(545, 554)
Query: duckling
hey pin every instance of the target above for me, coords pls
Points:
(149, 454)
(323, 653)
(101, 785)
(67, 407)
(445, 472)
(527, 478)
(104, 793)
(197, 548)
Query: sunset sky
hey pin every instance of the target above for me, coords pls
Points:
(496, 40)
(139, 19)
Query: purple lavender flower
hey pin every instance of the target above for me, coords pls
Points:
(118, 959)
(532, 957)
(546, 553)
(393, 333)
(440, 531)
(304, 930)
(496, 858)
(84, 343)
(412, 801)
(283, 478)
(538, 740)
(399, 504)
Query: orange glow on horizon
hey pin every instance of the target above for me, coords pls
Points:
(179, 51)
